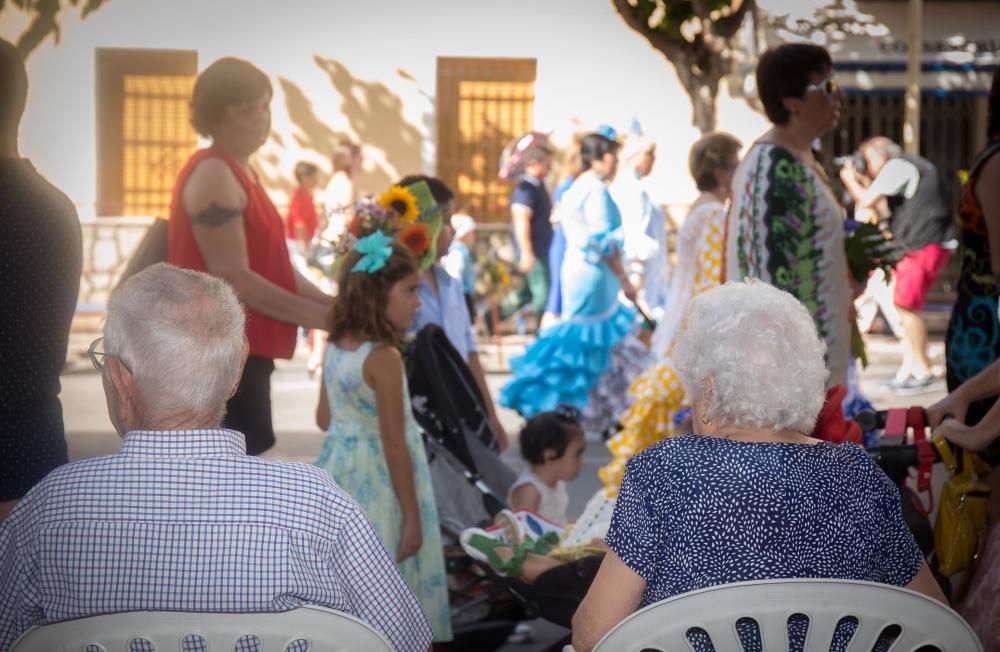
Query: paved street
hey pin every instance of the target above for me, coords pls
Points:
(294, 393)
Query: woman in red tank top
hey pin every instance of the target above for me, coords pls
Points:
(222, 222)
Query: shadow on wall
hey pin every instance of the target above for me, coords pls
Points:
(375, 115)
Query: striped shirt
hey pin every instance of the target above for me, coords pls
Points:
(186, 521)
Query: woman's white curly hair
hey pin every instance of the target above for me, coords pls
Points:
(759, 347)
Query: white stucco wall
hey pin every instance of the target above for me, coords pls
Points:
(591, 70)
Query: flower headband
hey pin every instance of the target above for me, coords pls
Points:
(376, 249)
(407, 213)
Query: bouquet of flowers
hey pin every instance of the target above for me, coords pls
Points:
(867, 249)
(494, 276)
(408, 214)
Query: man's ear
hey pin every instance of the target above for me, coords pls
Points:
(246, 354)
(123, 381)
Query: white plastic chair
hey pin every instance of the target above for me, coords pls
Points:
(716, 610)
(306, 629)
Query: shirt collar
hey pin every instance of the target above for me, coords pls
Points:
(535, 181)
(208, 442)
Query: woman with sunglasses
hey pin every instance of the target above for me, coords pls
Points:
(785, 224)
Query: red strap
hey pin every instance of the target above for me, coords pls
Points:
(895, 422)
(925, 453)
(916, 419)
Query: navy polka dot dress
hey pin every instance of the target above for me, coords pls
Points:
(40, 258)
(697, 511)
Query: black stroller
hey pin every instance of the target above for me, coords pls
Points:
(470, 484)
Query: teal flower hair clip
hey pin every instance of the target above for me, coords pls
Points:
(376, 252)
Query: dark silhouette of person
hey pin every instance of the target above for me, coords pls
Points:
(40, 262)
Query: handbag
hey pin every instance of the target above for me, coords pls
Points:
(961, 520)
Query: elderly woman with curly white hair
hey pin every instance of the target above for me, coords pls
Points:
(749, 495)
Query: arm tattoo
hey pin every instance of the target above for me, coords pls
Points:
(215, 215)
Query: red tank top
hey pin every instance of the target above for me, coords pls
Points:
(266, 251)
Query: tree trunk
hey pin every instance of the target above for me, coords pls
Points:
(703, 99)
(700, 80)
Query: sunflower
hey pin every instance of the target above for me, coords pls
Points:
(402, 201)
(416, 238)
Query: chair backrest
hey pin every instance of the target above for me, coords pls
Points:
(306, 629)
(720, 611)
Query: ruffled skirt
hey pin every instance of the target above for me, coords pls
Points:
(657, 398)
(566, 361)
(609, 396)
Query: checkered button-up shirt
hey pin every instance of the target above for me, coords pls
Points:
(186, 521)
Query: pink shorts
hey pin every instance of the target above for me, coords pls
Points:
(916, 273)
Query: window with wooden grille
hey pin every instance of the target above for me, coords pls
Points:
(482, 105)
(144, 130)
(951, 125)
(949, 128)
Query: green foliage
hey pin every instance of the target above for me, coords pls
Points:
(868, 249)
(696, 36)
(45, 16)
(674, 13)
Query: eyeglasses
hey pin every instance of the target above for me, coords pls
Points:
(828, 86)
(97, 357)
(567, 412)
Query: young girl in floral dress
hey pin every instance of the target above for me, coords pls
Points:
(372, 447)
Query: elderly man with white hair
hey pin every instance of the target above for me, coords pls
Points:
(749, 495)
(181, 519)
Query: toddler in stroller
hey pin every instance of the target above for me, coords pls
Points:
(472, 486)
(470, 482)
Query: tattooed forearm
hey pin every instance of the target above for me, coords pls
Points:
(215, 215)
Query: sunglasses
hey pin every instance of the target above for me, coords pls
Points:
(828, 86)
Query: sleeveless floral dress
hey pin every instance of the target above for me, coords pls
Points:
(973, 339)
(352, 454)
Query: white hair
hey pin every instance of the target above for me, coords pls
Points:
(180, 333)
(759, 347)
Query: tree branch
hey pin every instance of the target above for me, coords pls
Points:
(727, 26)
(661, 42)
(41, 26)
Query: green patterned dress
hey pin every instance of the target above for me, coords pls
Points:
(352, 454)
(787, 229)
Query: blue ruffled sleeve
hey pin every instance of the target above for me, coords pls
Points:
(604, 222)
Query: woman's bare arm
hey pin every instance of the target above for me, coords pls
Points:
(215, 202)
(924, 582)
(615, 594)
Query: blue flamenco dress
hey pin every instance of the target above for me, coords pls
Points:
(570, 356)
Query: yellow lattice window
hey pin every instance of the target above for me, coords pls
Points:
(158, 138)
(482, 105)
(144, 131)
